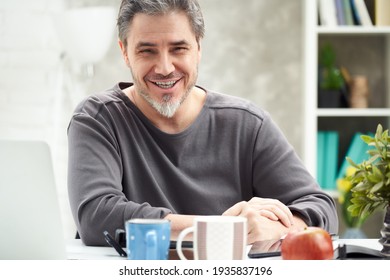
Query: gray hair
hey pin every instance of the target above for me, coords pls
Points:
(129, 8)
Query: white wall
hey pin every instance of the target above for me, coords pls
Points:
(252, 49)
(29, 69)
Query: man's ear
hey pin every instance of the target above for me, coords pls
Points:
(199, 51)
(124, 52)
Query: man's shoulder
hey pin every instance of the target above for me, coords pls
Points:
(222, 101)
(94, 103)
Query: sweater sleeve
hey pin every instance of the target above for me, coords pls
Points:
(279, 173)
(95, 180)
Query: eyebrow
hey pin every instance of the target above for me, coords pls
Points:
(174, 43)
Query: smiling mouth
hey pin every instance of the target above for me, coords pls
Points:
(165, 85)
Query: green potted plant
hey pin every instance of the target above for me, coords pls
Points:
(331, 81)
(371, 183)
(353, 223)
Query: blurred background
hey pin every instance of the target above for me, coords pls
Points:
(50, 60)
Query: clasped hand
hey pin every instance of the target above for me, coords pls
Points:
(267, 218)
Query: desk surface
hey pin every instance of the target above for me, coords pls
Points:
(76, 250)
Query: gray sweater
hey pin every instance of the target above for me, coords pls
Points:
(121, 166)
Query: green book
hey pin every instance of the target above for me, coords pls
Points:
(348, 12)
(357, 151)
(320, 157)
(331, 156)
(353, 152)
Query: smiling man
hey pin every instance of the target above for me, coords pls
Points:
(163, 147)
(163, 60)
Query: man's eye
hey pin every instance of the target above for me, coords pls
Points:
(180, 49)
(146, 51)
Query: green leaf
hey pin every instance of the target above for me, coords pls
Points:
(359, 200)
(374, 156)
(385, 135)
(377, 172)
(367, 139)
(362, 186)
(377, 187)
(354, 210)
(373, 152)
(379, 131)
(351, 162)
(367, 211)
(373, 178)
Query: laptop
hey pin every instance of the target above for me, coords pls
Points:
(30, 219)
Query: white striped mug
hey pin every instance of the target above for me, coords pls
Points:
(216, 238)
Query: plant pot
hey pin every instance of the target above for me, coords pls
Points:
(385, 233)
(336, 98)
(329, 98)
(353, 233)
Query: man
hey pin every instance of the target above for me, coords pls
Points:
(162, 147)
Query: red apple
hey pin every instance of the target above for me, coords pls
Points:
(311, 243)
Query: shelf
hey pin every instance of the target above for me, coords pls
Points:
(370, 112)
(353, 30)
(362, 50)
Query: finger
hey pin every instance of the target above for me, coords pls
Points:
(268, 214)
(279, 213)
(254, 232)
(283, 217)
(274, 205)
(270, 201)
(235, 210)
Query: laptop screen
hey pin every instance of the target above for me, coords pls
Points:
(30, 217)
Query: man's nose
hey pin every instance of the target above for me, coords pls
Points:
(164, 65)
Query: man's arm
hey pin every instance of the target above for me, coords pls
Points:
(260, 226)
(278, 173)
(257, 211)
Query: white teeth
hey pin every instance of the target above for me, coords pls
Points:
(165, 84)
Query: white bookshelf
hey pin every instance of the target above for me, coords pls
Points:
(351, 30)
(341, 117)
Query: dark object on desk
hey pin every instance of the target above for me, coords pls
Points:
(266, 248)
(120, 237)
(184, 244)
(356, 252)
(114, 244)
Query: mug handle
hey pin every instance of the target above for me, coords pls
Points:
(151, 245)
(180, 240)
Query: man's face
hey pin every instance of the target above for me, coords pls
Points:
(163, 56)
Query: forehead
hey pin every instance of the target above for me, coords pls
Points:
(174, 26)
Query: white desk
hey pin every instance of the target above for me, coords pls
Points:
(76, 250)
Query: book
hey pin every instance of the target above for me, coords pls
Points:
(360, 8)
(355, 14)
(327, 154)
(353, 152)
(331, 159)
(327, 12)
(340, 12)
(348, 12)
(382, 12)
(320, 157)
(357, 151)
(371, 9)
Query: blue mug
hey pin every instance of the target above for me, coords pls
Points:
(148, 239)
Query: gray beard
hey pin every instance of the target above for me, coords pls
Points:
(166, 108)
